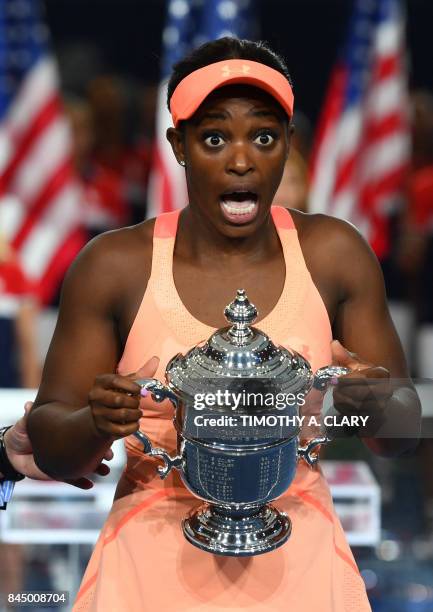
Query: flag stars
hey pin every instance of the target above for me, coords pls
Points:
(40, 33)
(19, 59)
(363, 29)
(227, 9)
(178, 8)
(19, 8)
(368, 6)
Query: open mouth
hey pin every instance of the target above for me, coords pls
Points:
(239, 206)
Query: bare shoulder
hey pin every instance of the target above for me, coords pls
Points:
(330, 231)
(335, 249)
(110, 263)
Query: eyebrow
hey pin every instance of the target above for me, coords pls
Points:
(223, 115)
(213, 115)
(265, 113)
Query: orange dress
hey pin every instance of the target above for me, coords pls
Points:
(141, 561)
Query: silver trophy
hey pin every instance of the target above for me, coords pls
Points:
(237, 459)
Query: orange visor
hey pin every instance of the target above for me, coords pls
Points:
(195, 87)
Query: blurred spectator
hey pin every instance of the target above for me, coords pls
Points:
(302, 138)
(105, 206)
(293, 189)
(19, 363)
(140, 154)
(415, 259)
(107, 104)
(122, 146)
(416, 251)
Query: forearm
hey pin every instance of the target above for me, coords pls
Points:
(396, 431)
(66, 443)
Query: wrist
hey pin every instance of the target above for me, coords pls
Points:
(7, 469)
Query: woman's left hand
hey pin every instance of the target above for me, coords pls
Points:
(20, 454)
(365, 390)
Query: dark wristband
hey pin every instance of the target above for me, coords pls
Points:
(6, 467)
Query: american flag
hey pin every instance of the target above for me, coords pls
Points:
(190, 23)
(39, 196)
(363, 143)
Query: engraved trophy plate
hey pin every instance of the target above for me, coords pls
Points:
(239, 467)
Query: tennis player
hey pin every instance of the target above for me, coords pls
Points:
(137, 296)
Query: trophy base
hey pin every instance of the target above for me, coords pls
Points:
(217, 531)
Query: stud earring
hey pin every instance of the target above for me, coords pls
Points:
(182, 163)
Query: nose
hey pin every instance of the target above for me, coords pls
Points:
(240, 161)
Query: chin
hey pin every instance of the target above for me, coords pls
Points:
(232, 230)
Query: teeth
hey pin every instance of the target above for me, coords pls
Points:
(239, 208)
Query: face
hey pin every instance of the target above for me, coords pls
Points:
(235, 147)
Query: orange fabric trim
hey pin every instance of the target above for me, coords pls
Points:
(166, 224)
(313, 502)
(346, 558)
(129, 515)
(309, 499)
(163, 493)
(282, 217)
(86, 586)
(153, 499)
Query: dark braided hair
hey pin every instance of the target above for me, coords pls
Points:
(224, 49)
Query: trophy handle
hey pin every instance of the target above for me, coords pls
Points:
(305, 452)
(169, 462)
(159, 393)
(323, 377)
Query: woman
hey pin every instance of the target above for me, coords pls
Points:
(160, 287)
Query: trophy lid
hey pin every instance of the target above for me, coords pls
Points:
(238, 351)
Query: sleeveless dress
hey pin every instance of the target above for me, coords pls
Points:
(141, 561)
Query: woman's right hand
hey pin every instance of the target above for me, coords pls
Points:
(115, 401)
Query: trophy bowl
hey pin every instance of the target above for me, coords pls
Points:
(236, 400)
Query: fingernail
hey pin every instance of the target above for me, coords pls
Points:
(144, 392)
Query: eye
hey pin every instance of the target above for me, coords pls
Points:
(214, 141)
(265, 139)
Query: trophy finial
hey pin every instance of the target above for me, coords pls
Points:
(241, 313)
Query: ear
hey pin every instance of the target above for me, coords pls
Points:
(290, 131)
(176, 139)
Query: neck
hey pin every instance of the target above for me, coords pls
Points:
(199, 240)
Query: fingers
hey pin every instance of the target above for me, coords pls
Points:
(358, 391)
(102, 470)
(122, 415)
(80, 483)
(115, 430)
(117, 382)
(147, 370)
(86, 483)
(113, 399)
(27, 407)
(341, 356)
(108, 455)
(20, 427)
